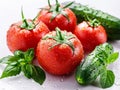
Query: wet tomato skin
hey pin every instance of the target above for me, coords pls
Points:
(59, 21)
(89, 36)
(21, 39)
(59, 60)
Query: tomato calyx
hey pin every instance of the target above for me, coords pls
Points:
(61, 38)
(92, 23)
(25, 24)
(57, 9)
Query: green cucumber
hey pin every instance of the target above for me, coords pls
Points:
(110, 23)
(94, 66)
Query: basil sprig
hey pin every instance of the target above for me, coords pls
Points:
(22, 62)
(94, 67)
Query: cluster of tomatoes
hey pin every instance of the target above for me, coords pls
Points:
(59, 42)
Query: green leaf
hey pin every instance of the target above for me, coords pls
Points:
(8, 59)
(22, 61)
(107, 79)
(5, 59)
(113, 57)
(29, 55)
(108, 48)
(11, 70)
(27, 70)
(19, 54)
(38, 74)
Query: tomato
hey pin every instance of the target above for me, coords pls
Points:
(90, 36)
(57, 16)
(59, 52)
(20, 38)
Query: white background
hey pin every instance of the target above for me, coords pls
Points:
(10, 12)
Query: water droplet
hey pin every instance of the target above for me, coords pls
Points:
(43, 86)
(3, 89)
(61, 80)
(9, 83)
(19, 81)
(117, 83)
(55, 86)
(78, 89)
(33, 81)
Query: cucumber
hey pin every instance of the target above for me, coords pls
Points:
(94, 66)
(110, 23)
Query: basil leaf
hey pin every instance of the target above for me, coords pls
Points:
(27, 70)
(19, 54)
(11, 70)
(22, 61)
(112, 57)
(108, 48)
(29, 55)
(8, 59)
(5, 59)
(107, 79)
(38, 74)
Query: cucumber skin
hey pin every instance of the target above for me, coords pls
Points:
(110, 23)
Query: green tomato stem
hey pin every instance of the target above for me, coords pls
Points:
(23, 18)
(49, 3)
(59, 34)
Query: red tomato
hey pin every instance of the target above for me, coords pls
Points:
(62, 58)
(22, 39)
(90, 36)
(65, 19)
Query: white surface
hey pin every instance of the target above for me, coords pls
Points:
(10, 13)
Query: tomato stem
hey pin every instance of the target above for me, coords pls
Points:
(57, 6)
(57, 9)
(57, 2)
(59, 34)
(49, 3)
(23, 18)
(27, 25)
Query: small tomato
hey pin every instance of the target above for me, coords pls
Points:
(25, 34)
(90, 36)
(57, 16)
